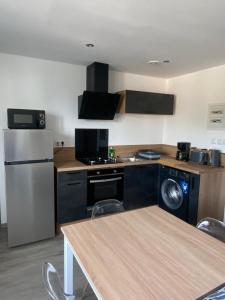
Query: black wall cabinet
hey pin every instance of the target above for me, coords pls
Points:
(140, 186)
(71, 196)
(146, 103)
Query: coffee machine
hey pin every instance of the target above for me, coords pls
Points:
(183, 151)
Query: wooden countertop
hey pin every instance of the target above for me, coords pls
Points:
(75, 165)
(147, 254)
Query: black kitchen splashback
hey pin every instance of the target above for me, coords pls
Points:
(91, 143)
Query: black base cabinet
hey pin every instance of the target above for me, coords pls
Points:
(140, 186)
(140, 190)
(71, 196)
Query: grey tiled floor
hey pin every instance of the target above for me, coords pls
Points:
(20, 269)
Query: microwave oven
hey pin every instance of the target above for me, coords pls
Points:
(25, 118)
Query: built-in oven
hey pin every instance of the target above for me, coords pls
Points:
(104, 184)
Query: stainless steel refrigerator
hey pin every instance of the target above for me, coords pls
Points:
(29, 175)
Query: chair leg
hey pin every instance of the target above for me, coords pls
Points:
(68, 268)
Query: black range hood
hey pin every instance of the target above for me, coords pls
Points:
(96, 103)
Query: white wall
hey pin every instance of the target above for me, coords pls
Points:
(41, 84)
(193, 94)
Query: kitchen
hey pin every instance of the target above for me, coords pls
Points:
(35, 83)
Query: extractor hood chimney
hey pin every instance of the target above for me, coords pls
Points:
(96, 103)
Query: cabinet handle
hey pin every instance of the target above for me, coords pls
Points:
(73, 183)
(193, 183)
(72, 173)
(106, 180)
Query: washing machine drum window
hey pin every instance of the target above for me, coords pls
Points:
(172, 194)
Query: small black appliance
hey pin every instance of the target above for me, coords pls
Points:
(25, 118)
(91, 145)
(183, 151)
(178, 193)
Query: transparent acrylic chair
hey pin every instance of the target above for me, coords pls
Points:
(101, 208)
(106, 207)
(212, 227)
(53, 284)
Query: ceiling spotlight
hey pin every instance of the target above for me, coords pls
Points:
(153, 62)
(158, 62)
(89, 45)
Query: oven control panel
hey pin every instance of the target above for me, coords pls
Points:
(104, 172)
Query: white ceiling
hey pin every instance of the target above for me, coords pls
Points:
(126, 33)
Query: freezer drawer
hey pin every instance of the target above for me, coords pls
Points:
(30, 202)
(27, 144)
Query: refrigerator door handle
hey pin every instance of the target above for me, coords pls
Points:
(26, 162)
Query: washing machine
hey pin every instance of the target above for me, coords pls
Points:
(178, 193)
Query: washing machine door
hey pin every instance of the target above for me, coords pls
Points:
(172, 194)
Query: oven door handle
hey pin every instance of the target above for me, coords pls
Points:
(106, 180)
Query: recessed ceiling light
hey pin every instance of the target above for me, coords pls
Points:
(158, 62)
(89, 45)
(153, 62)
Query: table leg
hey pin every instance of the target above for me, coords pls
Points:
(68, 268)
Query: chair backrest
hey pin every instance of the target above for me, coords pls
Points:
(212, 227)
(53, 284)
(105, 207)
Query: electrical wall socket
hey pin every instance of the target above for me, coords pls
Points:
(219, 141)
(59, 143)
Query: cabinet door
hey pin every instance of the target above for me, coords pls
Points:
(140, 186)
(72, 198)
(149, 103)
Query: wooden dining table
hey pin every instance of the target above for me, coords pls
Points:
(143, 254)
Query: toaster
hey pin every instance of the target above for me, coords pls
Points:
(199, 156)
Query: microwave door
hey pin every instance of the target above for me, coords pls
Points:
(27, 145)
